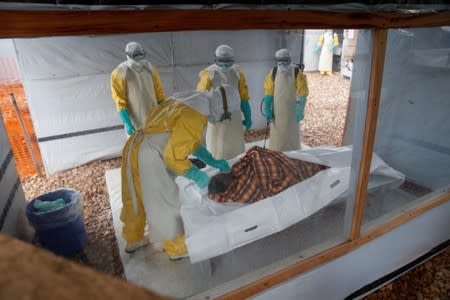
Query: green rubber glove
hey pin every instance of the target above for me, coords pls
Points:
(245, 108)
(203, 154)
(129, 128)
(300, 108)
(268, 112)
(199, 177)
(317, 48)
(332, 46)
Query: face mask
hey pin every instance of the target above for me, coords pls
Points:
(136, 64)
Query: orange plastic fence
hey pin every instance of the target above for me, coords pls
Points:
(21, 152)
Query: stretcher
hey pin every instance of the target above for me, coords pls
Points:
(213, 228)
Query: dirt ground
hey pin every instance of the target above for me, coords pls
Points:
(323, 125)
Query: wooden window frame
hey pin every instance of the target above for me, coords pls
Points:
(59, 22)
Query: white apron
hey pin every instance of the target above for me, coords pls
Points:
(326, 55)
(284, 130)
(140, 94)
(225, 140)
(159, 190)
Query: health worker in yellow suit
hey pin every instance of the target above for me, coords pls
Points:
(285, 92)
(225, 138)
(158, 152)
(326, 44)
(136, 87)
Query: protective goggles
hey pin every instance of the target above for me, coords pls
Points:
(283, 60)
(137, 55)
(224, 61)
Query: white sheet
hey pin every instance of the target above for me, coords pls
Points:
(212, 229)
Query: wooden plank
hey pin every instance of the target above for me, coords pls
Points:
(375, 83)
(33, 23)
(333, 253)
(27, 272)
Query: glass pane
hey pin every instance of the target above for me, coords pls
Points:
(229, 244)
(413, 131)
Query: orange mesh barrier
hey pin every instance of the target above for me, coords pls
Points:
(16, 136)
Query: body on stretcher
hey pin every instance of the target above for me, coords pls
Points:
(212, 228)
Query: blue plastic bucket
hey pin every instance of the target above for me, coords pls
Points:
(62, 230)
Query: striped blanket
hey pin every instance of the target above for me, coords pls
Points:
(262, 173)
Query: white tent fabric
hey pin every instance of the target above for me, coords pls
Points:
(67, 82)
(13, 219)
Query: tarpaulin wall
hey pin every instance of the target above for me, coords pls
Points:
(67, 82)
(12, 200)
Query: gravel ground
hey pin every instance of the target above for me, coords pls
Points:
(325, 110)
(323, 125)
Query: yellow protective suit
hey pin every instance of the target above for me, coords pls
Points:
(225, 139)
(326, 40)
(136, 91)
(284, 130)
(172, 131)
